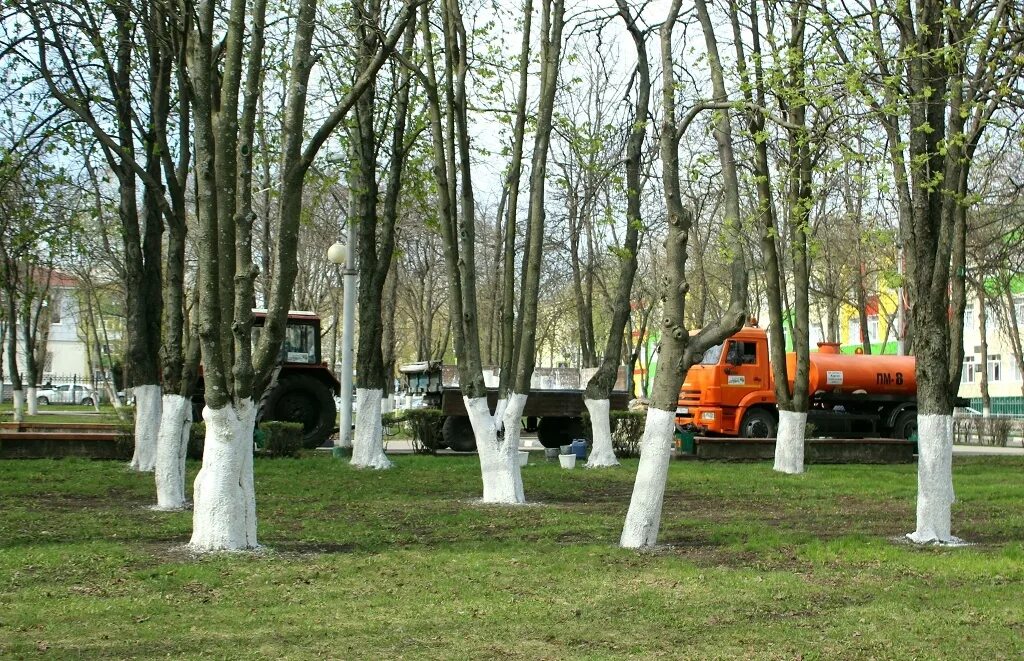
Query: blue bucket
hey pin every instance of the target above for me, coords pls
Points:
(578, 447)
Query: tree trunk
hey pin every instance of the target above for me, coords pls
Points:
(986, 399)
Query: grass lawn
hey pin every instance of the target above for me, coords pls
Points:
(407, 563)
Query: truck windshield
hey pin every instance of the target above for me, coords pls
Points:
(712, 355)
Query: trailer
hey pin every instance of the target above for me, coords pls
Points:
(556, 415)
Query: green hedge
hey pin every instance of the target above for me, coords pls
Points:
(280, 439)
(272, 439)
(425, 427)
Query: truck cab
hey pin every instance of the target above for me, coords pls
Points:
(731, 378)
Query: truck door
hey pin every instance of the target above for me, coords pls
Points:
(744, 370)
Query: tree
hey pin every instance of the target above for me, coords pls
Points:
(376, 232)
(224, 115)
(679, 351)
(601, 383)
(954, 65)
(80, 50)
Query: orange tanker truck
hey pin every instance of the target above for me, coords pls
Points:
(732, 392)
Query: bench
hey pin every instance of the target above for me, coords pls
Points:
(91, 444)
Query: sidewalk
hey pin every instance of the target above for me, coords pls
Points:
(987, 450)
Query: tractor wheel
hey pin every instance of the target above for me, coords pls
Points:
(457, 433)
(758, 423)
(302, 398)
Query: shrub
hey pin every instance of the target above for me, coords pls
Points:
(425, 427)
(627, 430)
(281, 439)
(124, 442)
(391, 423)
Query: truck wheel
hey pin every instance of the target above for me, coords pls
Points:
(758, 423)
(457, 433)
(301, 398)
(554, 431)
(905, 425)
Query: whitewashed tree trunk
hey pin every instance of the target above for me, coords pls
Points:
(147, 427)
(789, 442)
(368, 444)
(934, 480)
(387, 405)
(19, 405)
(499, 457)
(499, 413)
(33, 401)
(508, 420)
(171, 450)
(644, 516)
(224, 507)
(602, 453)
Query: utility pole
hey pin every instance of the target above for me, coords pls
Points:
(345, 254)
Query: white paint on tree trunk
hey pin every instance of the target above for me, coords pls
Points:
(644, 516)
(499, 457)
(499, 414)
(789, 442)
(508, 419)
(602, 453)
(224, 510)
(368, 443)
(33, 401)
(387, 405)
(171, 449)
(147, 427)
(934, 480)
(19, 405)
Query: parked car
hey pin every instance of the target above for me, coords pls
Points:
(67, 394)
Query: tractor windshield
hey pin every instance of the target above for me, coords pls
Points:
(299, 344)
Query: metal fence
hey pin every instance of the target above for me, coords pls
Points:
(1013, 406)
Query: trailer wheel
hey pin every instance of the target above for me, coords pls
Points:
(302, 398)
(905, 425)
(555, 431)
(457, 433)
(758, 423)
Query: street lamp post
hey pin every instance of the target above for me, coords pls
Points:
(344, 254)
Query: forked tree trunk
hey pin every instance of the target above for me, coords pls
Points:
(499, 457)
(225, 502)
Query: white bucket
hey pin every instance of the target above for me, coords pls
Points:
(567, 461)
(524, 458)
